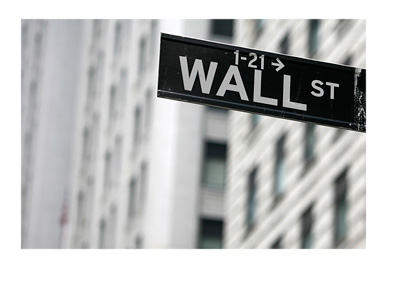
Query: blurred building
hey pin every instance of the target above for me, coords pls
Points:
(148, 172)
(107, 164)
(50, 61)
(291, 184)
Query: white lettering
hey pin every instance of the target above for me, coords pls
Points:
(314, 85)
(286, 96)
(233, 71)
(257, 91)
(205, 82)
(332, 85)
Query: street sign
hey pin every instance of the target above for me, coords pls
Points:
(261, 82)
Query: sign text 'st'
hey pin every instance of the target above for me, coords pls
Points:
(262, 82)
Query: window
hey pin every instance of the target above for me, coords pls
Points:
(117, 38)
(113, 227)
(277, 243)
(313, 39)
(94, 134)
(148, 111)
(96, 31)
(27, 152)
(143, 182)
(153, 39)
(251, 200)
(37, 46)
(122, 90)
(33, 94)
(111, 107)
(284, 45)
(117, 155)
(210, 233)
(81, 209)
(24, 34)
(348, 60)
(214, 165)
(343, 27)
(309, 140)
(259, 25)
(137, 127)
(306, 228)
(102, 234)
(340, 224)
(279, 174)
(139, 242)
(131, 198)
(255, 120)
(107, 170)
(86, 146)
(142, 56)
(91, 84)
(222, 27)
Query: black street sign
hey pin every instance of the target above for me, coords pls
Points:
(261, 82)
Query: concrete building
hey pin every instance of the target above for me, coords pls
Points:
(50, 59)
(291, 184)
(148, 172)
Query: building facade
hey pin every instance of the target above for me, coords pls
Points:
(148, 172)
(292, 184)
(50, 61)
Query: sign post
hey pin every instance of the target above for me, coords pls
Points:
(261, 82)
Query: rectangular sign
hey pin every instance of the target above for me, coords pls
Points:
(261, 82)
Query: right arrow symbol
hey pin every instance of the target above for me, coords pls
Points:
(279, 65)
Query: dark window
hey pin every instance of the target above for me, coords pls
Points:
(309, 143)
(143, 183)
(259, 25)
(313, 38)
(210, 233)
(222, 27)
(86, 146)
(132, 198)
(122, 87)
(117, 155)
(107, 171)
(117, 38)
(81, 209)
(214, 165)
(306, 228)
(255, 120)
(112, 229)
(343, 27)
(111, 107)
(148, 111)
(96, 31)
(142, 56)
(348, 60)
(33, 92)
(139, 242)
(38, 45)
(279, 174)
(153, 39)
(284, 45)
(340, 224)
(251, 200)
(137, 127)
(91, 82)
(24, 35)
(102, 234)
(277, 243)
